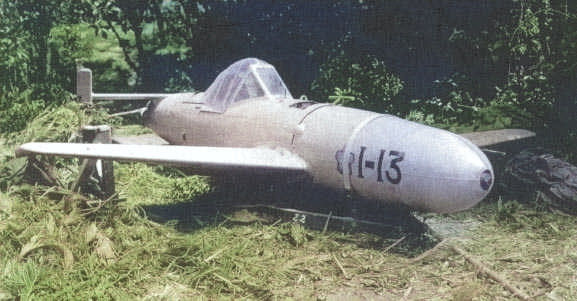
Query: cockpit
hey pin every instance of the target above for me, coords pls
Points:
(247, 78)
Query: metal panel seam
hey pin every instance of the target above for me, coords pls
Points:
(347, 150)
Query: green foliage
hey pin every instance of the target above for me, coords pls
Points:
(52, 124)
(347, 97)
(539, 49)
(453, 106)
(294, 233)
(506, 211)
(69, 46)
(528, 59)
(360, 82)
(158, 185)
(41, 45)
(146, 28)
(38, 59)
(14, 57)
(55, 124)
(116, 253)
(111, 73)
(536, 66)
(16, 109)
(421, 117)
(526, 48)
(456, 109)
(179, 83)
(26, 56)
(23, 280)
(20, 106)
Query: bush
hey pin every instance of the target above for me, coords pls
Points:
(16, 109)
(457, 109)
(364, 83)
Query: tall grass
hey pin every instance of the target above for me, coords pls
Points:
(58, 245)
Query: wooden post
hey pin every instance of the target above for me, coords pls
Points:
(84, 85)
(96, 176)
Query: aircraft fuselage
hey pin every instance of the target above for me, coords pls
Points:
(376, 156)
(247, 122)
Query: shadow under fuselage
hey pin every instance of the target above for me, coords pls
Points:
(314, 207)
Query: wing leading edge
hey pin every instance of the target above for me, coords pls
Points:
(210, 159)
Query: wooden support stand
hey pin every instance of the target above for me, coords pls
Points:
(96, 176)
(84, 85)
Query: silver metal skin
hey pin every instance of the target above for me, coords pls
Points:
(376, 156)
(248, 109)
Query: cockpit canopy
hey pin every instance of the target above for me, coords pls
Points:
(247, 78)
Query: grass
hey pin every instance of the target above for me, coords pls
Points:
(217, 260)
(57, 245)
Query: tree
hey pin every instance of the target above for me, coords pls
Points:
(27, 57)
(145, 29)
(29, 82)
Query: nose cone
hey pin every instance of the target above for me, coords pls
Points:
(423, 167)
(461, 175)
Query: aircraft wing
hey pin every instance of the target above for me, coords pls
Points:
(209, 159)
(488, 138)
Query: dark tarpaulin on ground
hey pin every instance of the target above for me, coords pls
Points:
(554, 179)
